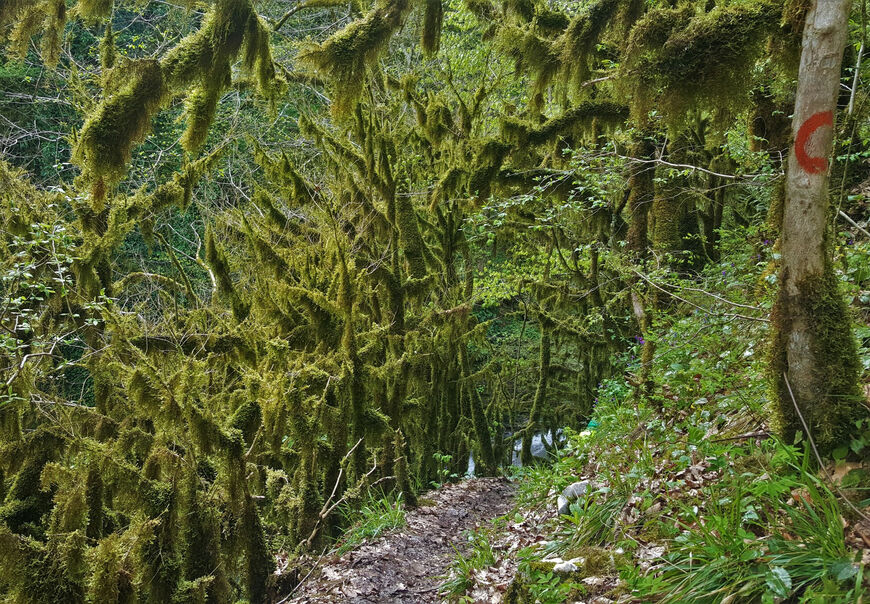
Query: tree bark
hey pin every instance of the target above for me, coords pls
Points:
(812, 341)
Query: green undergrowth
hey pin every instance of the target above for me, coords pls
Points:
(372, 519)
(692, 495)
(477, 556)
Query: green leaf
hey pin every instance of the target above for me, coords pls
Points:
(778, 581)
(840, 452)
(844, 570)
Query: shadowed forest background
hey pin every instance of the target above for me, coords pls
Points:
(268, 265)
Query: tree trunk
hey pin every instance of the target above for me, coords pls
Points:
(812, 342)
(540, 397)
(641, 198)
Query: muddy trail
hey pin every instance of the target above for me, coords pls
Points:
(404, 566)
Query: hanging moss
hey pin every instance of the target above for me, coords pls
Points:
(218, 262)
(487, 163)
(36, 572)
(106, 139)
(94, 498)
(345, 55)
(409, 232)
(247, 419)
(521, 10)
(522, 134)
(199, 111)
(438, 121)
(122, 120)
(432, 18)
(93, 10)
(30, 18)
(531, 53)
(641, 195)
(203, 568)
(11, 9)
(108, 53)
(259, 562)
(576, 45)
(550, 22)
(110, 580)
(704, 62)
(51, 38)
(484, 10)
(143, 392)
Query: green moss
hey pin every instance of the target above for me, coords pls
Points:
(94, 498)
(11, 9)
(487, 163)
(581, 117)
(550, 22)
(345, 56)
(697, 60)
(438, 121)
(836, 404)
(37, 572)
(531, 53)
(247, 418)
(518, 591)
(51, 37)
(221, 269)
(143, 392)
(107, 137)
(484, 10)
(199, 111)
(203, 569)
(577, 44)
(432, 17)
(110, 580)
(93, 10)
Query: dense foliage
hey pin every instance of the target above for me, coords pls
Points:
(264, 261)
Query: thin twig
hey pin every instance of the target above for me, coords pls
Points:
(853, 223)
(694, 168)
(706, 310)
(851, 108)
(298, 585)
(743, 436)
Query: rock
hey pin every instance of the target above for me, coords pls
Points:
(565, 567)
(575, 490)
(570, 494)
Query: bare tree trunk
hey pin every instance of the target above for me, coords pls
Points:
(812, 341)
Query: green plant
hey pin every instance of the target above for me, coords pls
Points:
(442, 461)
(720, 555)
(592, 522)
(460, 575)
(372, 519)
(542, 584)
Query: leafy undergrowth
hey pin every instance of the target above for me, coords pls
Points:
(372, 519)
(692, 499)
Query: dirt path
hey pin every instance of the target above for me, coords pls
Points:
(403, 567)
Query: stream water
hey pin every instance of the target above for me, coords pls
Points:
(538, 449)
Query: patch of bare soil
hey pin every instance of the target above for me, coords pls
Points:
(404, 566)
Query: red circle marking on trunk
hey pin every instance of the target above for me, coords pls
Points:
(811, 164)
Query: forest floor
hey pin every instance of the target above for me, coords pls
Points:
(409, 564)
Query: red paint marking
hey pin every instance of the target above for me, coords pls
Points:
(811, 164)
